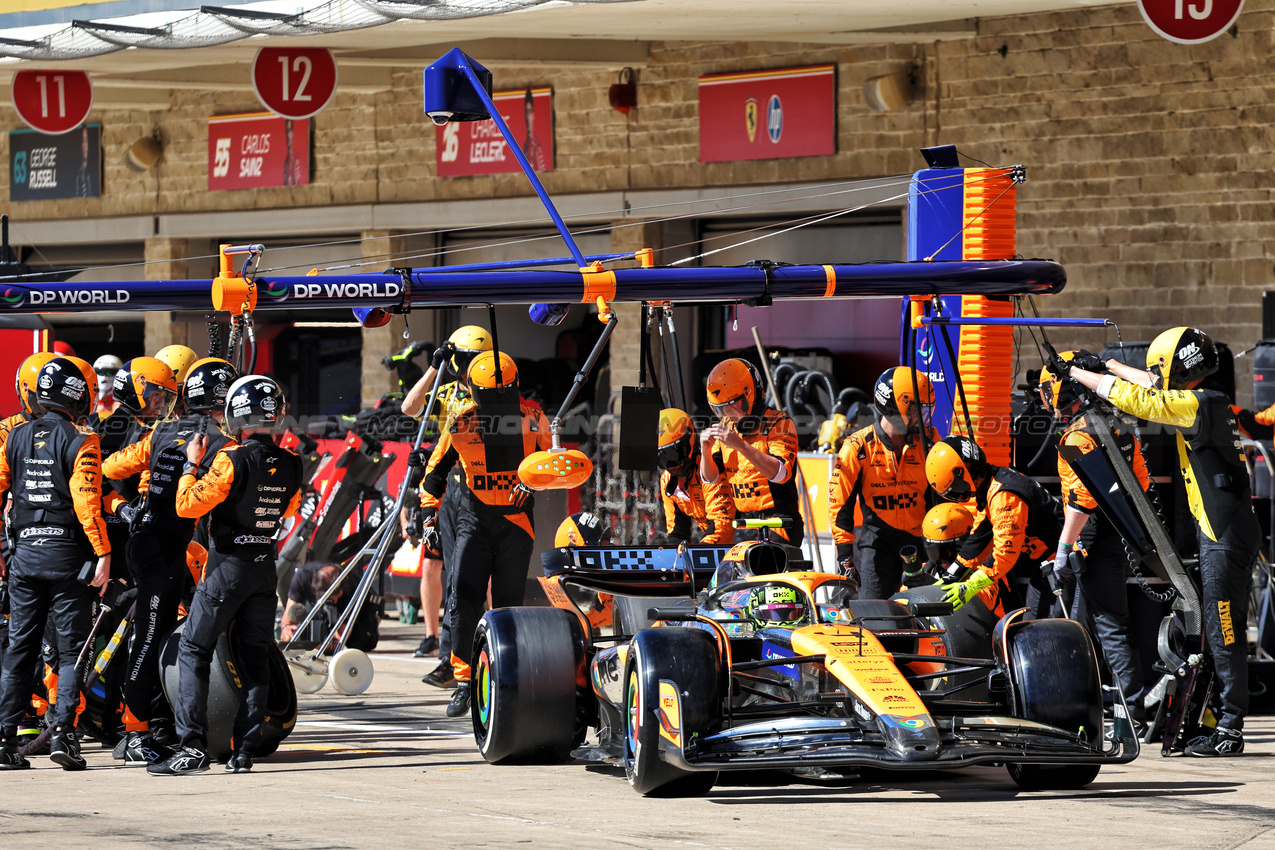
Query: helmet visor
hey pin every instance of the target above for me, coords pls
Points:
(725, 407)
(675, 456)
(959, 490)
(783, 614)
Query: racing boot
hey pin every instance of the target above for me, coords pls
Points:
(142, 749)
(442, 676)
(10, 758)
(183, 762)
(1223, 742)
(459, 706)
(240, 762)
(64, 750)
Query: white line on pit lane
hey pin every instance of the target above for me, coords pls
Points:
(373, 727)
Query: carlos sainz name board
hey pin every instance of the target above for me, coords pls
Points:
(254, 150)
(788, 112)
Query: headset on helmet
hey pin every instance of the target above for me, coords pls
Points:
(255, 401)
(579, 529)
(894, 397)
(776, 605)
(142, 379)
(482, 371)
(955, 468)
(179, 358)
(207, 384)
(470, 341)
(944, 528)
(676, 448)
(28, 374)
(734, 380)
(1180, 356)
(67, 384)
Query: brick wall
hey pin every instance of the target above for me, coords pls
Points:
(1148, 163)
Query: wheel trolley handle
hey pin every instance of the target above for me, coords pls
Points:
(377, 547)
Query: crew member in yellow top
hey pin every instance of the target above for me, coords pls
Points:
(495, 532)
(1104, 603)
(881, 470)
(453, 398)
(52, 470)
(752, 449)
(1217, 488)
(688, 502)
(1018, 522)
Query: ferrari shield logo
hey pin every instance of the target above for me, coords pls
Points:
(750, 118)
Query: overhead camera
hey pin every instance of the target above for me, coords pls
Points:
(440, 118)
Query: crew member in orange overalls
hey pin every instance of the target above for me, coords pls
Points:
(1017, 521)
(688, 502)
(752, 449)
(494, 528)
(881, 470)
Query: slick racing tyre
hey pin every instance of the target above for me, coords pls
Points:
(224, 690)
(281, 706)
(687, 659)
(1054, 679)
(528, 674)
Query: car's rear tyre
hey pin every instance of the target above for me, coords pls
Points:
(1054, 679)
(687, 658)
(528, 672)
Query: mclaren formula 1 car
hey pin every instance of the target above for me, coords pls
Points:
(751, 660)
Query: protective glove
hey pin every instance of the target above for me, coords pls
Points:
(520, 494)
(1062, 563)
(1089, 361)
(126, 512)
(1060, 367)
(417, 458)
(441, 355)
(961, 592)
(431, 542)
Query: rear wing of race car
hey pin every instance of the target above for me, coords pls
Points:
(634, 570)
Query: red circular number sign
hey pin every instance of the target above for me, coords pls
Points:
(53, 102)
(294, 82)
(1190, 21)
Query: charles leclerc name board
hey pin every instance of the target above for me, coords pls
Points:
(788, 112)
(476, 147)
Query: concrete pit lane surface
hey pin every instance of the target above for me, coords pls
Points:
(389, 769)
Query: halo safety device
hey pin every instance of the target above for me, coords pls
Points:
(470, 340)
(955, 468)
(142, 379)
(28, 373)
(179, 358)
(733, 380)
(254, 401)
(1180, 356)
(207, 385)
(776, 605)
(68, 384)
(893, 397)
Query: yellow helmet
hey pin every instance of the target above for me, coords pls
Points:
(944, 529)
(482, 371)
(676, 441)
(1180, 356)
(469, 341)
(1058, 393)
(28, 373)
(580, 529)
(141, 379)
(955, 468)
(178, 358)
(733, 380)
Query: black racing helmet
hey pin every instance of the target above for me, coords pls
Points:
(68, 384)
(207, 385)
(255, 401)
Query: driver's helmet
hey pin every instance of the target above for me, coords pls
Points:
(776, 605)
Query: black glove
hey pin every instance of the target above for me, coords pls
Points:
(1055, 364)
(520, 494)
(431, 542)
(417, 457)
(441, 355)
(1089, 361)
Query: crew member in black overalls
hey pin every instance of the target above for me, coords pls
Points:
(157, 547)
(248, 490)
(52, 469)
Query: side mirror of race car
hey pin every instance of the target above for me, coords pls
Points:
(931, 609)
